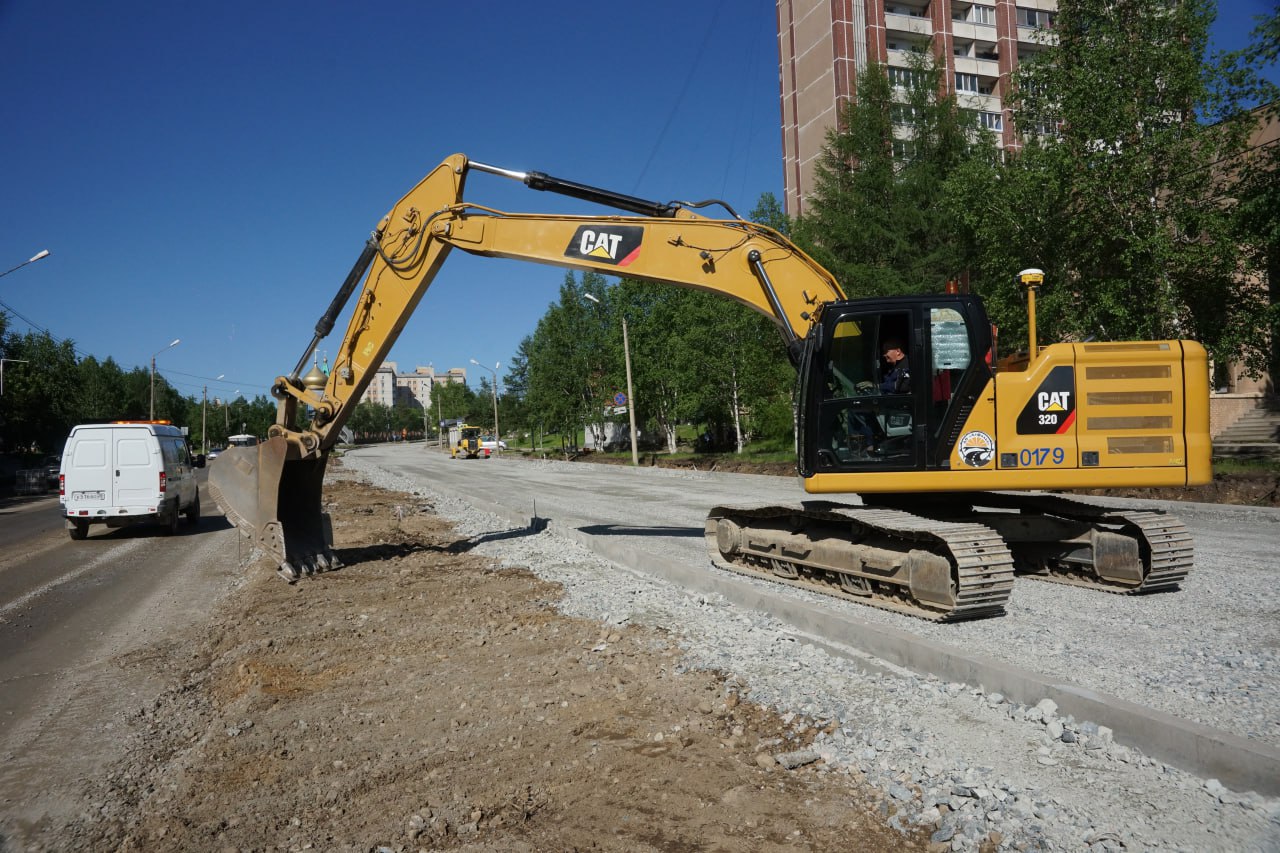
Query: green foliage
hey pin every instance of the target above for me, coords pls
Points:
(876, 217)
(563, 371)
(694, 357)
(1120, 195)
(39, 392)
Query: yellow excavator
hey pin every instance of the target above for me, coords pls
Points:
(900, 400)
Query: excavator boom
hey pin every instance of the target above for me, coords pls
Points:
(272, 491)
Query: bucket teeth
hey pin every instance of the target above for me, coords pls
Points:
(288, 572)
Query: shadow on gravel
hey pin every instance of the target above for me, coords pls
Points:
(626, 530)
(391, 550)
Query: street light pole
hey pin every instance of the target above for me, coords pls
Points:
(226, 414)
(43, 253)
(631, 397)
(176, 341)
(497, 433)
(204, 419)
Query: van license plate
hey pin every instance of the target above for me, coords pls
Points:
(88, 496)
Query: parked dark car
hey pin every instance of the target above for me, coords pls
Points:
(51, 465)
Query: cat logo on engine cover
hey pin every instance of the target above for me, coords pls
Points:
(1052, 408)
(617, 245)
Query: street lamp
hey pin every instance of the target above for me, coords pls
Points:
(497, 434)
(176, 341)
(43, 253)
(204, 418)
(631, 397)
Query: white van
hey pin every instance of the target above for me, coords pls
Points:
(127, 472)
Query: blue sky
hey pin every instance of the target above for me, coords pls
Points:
(209, 172)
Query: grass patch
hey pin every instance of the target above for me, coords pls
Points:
(1246, 466)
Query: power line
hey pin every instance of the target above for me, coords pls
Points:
(675, 105)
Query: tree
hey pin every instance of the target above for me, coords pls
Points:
(876, 217)
(563, 368)
(1255, 173)
(1143, 245)
(1008, 215)
(658, 321)
(453, 400)
(40, 397)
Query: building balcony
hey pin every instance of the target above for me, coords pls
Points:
(908, 24)
(1033, 35)
(971, 31)
(979, 103)
(981, 67)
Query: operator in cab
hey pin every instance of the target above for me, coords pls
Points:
(897, 375)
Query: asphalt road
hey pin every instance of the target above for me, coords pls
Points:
(70, 614)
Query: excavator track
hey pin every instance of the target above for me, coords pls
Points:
(942, 571)
(1066, 540)
(1165, 548)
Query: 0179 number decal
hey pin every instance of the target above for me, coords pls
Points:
(1032, 457)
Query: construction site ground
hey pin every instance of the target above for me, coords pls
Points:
(429, 700)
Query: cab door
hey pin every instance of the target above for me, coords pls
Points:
(854, 420)
(857, 419)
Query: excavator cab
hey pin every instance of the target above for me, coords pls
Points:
(865, 409)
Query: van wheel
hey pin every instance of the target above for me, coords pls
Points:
(193, 511)
(171, 523)
(78, 530)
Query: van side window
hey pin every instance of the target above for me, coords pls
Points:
(170, 450)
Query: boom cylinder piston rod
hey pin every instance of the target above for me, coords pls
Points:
(325, 324)
(543, 181)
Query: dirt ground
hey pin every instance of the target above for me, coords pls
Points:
(421, 699)
(1247, 488)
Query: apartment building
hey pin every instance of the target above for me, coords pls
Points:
(823, 45)
(389, 387)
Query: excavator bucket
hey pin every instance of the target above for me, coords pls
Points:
(275, 501)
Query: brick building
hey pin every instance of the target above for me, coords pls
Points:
(823, 46)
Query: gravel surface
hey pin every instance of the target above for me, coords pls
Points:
(1206, 653)
(1038, 779)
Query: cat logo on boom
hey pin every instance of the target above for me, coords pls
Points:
(616, 245)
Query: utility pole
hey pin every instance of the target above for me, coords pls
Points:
(497, 433)
(152, 416)
(631, 397)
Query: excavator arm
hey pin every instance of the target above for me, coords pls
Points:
(272, 491)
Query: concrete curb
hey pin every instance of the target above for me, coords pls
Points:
(1238, 763)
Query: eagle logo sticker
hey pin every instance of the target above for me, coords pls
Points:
(616, 245)
(977, 449)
